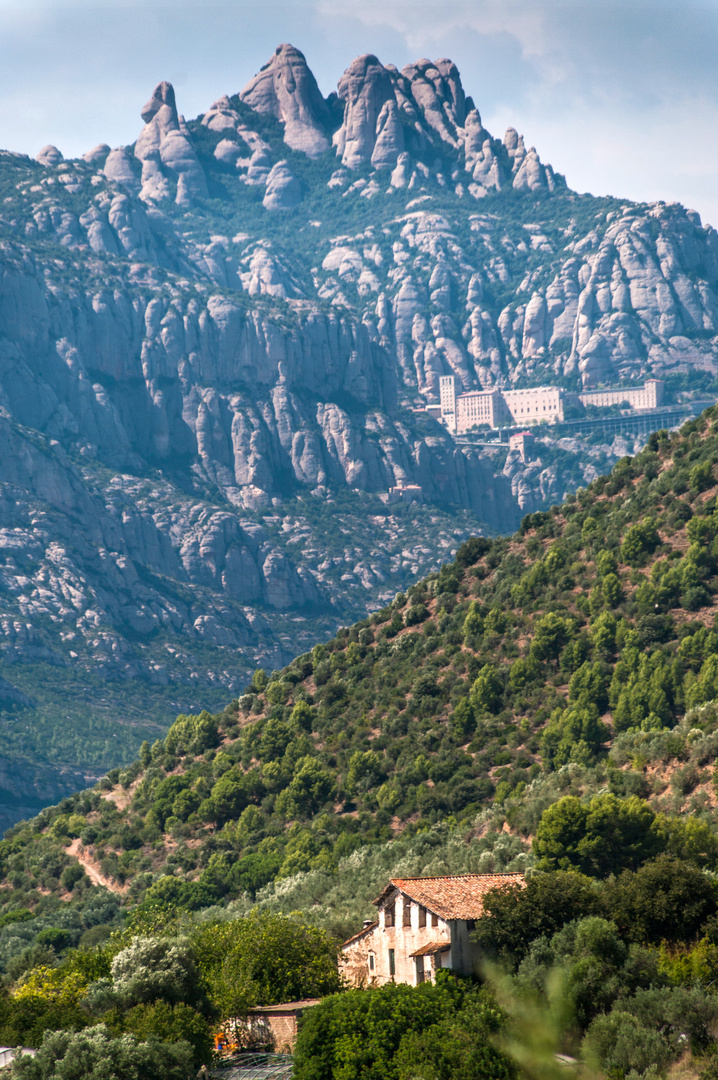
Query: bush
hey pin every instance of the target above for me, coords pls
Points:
(417, 613)
(472, 550)
(152, 969)
(433, 1031)
(599, 837)
(516, 916)
(620, 1043)
(93, 1055)
(666, 900)
(264, 959)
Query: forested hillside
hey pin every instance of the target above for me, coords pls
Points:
(544, 702)
(578, 654)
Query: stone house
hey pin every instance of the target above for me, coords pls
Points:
(424, 924)
(266, 1027)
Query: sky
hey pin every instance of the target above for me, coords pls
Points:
(618, 95)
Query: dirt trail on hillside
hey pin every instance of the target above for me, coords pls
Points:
(93, 869)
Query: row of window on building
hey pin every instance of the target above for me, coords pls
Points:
(502, 408)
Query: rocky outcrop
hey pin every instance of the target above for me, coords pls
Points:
(49, 155)
(202, 410)
(286, 89)
(366, 87)
(283, 191)
(165, 149)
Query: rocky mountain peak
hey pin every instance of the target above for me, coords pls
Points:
(286, 89)
(436, 87)
(163, 96)
(370, 114)
(165, 149)
(49, 155)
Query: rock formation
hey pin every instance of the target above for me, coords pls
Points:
(165, 149)
(286, 89)
(283, 190)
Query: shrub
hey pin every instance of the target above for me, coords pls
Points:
(620, 1043)
(93, 1055)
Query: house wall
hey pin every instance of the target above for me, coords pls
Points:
(465, 953)
(479, 407)
(447, 399)
(404, 940)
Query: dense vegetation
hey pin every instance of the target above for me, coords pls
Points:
(543, 702)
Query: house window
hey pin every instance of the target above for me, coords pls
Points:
(407, 912)
(419, 970)
(389, 915)
(422, 916)
(471, 924)
(434, 919)
(392, 964)
(371, 961)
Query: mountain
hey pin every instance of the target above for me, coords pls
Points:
(216, 350)
(577, 658)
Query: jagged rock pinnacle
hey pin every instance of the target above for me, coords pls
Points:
(286, 89)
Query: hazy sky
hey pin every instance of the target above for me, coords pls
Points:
(619, 95)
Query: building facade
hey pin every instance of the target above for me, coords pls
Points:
(423, 924)
(535, 404)
(521, 443)
(505, 408)
(648, 396)
(406, 493)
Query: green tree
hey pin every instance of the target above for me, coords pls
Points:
(701, 476)
(573, 734)
(551, 634)
(620, 1044)
(366, 771)
(640, 541)
(385, 1032)
(602, 836)
(264, 959)
(487, 690)
(178, 1023)
(152, 969)
(515, 916)
(309, 789)
(665, 900)
(474, 622)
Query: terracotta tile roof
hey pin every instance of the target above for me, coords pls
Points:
(432, 947)
(365, 930)
(459, 897)
(286, 1007)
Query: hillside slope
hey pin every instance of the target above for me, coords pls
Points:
(578, 656)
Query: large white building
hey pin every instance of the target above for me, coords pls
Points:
(648, 396)
(506, 408)
(498, 408)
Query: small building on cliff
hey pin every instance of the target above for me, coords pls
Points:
(423, 924)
